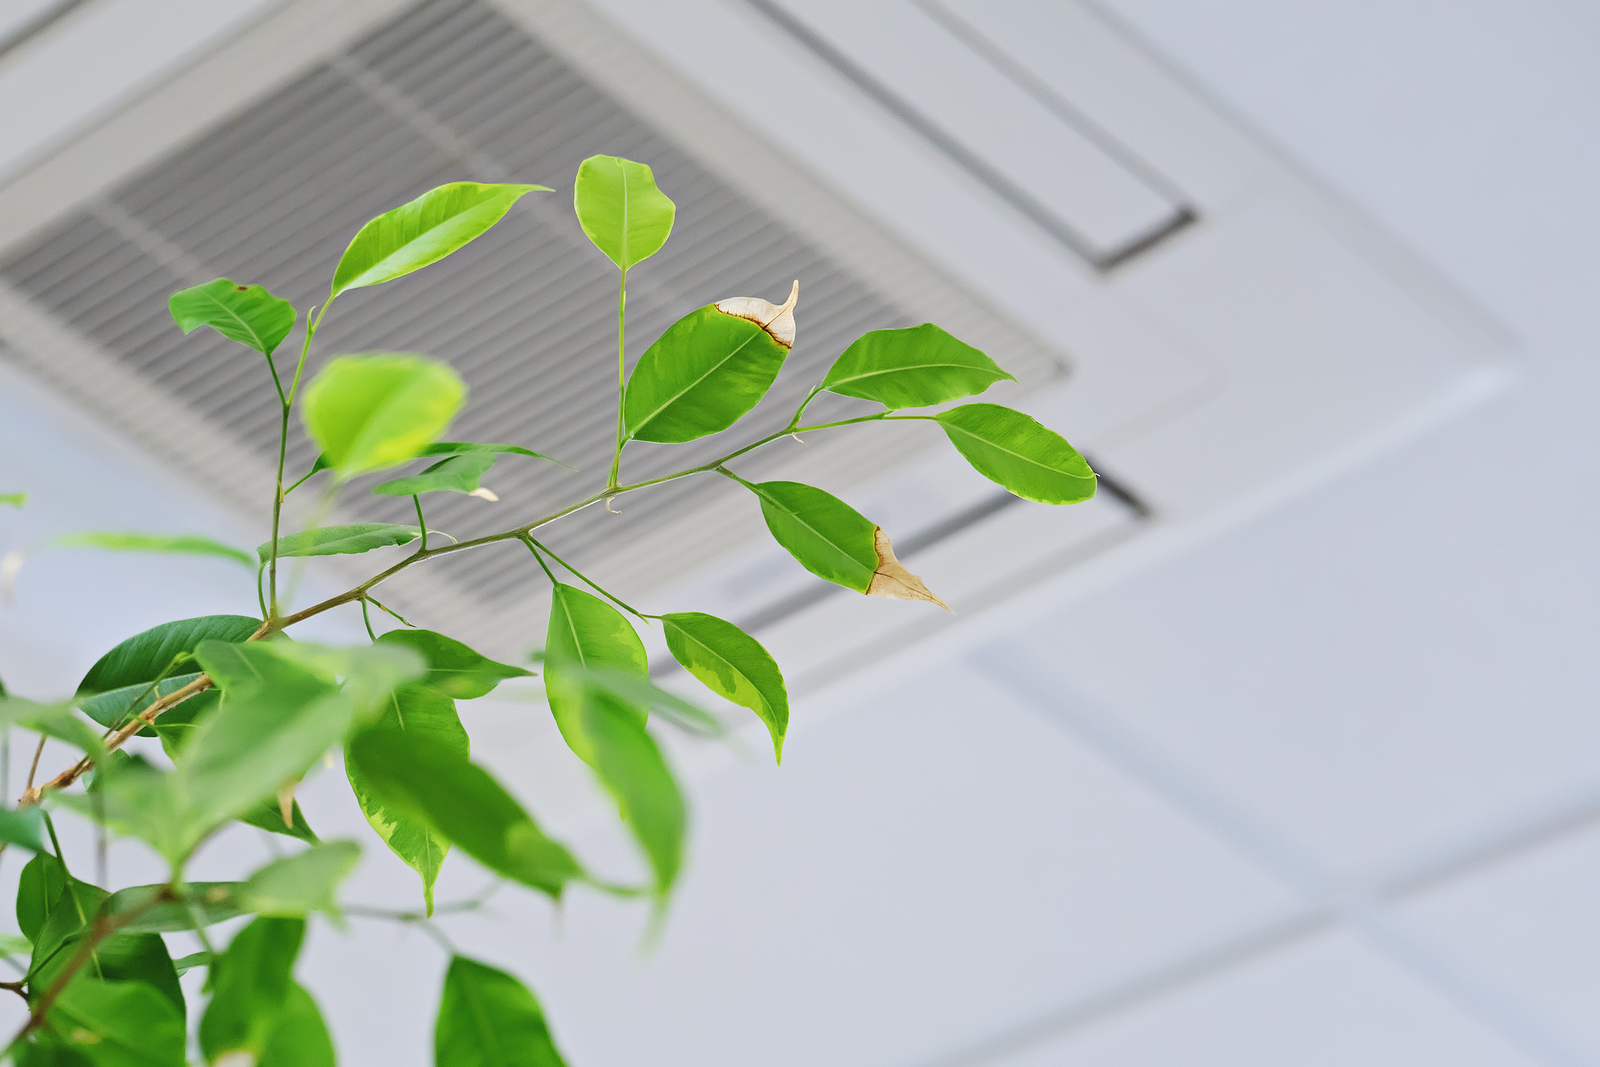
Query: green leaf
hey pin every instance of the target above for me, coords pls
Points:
(629, 765)
(430, 717)
(175, 544)
(16, 500)
(52, 907)
(341, 540)
(22, 827)
(251, 984)
(302, 883)
(14, 944)
(52, 720)
(374, 411)
(187, 963)
(131, 797)
(268, 816)
(149, 655)
(212, 902)
(620, 208)
(463, 804)
(458, 474)
(912, 368)
(633, 690)
(299, 1037)
(489, 1019)
(424, 231)
(463, 448)
(120, 705)
(828, 537)
(701, 376)
(733, 665)
(38, 886)
(119, 1024)
(585, 634)
(454, 669)
(1012, 449)
(247, 314)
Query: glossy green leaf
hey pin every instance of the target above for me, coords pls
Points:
(299, 1037)
(251, 985)
(119, 1024)
(487, 1018)
(22, 826)
(828, 537)
(168, 544)
(341, 540)
(203, 902)
(733, 665)
(247, 314)
(52, 907)
(630, 766)
(458, 474)
(374, 411)
(118, 685)
(423, 231)
(621, 210)
(141, 958)
(302, 883)
(586, 633)
(463, 804)
(912, 368)
(701, 376)
(38, 886)
(1011, 448)
(464, 448)
(454, 669)
(15, 500)
(120, 705)
(431, 717)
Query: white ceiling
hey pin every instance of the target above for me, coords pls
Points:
(1321, 787)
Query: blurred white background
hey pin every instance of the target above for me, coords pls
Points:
(1315, 784)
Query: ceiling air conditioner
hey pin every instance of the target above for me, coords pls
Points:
(1211, 328)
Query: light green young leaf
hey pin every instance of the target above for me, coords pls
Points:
(489, 1019)
(1011, 448)
(454, 669)
(733, 665)
(375, 411)
(458, 474)
(247, 314)
(167, 544)
(620, 208)
(431, 717)
(251, 984)
(424, 231)
(15, 500)
(585, 634)
(302, 883)
(633, 690)
(463, 804)
(709, 368)
(119, 1024)
(463, 448)
(368, 674)
(14, 944)
(342, 540)
(912, 368)
(828, 537)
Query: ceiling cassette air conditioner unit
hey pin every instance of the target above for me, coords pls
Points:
(1205, 323)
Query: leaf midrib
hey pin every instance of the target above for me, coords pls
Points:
(819, 534)
(1001, 375)
(1011, 452)
(261, 344)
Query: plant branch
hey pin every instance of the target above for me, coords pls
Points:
(622, 377)
(287, 405)
(581, 576)
(422, 523)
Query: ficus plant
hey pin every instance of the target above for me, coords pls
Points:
(234, 712)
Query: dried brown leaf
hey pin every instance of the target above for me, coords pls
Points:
(777, 320)
(892, 580)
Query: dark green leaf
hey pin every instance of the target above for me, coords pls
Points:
(701, 376)
(22, 827)
(454, 669)
(828, 537)
(462, 448)
(489, 1019)
(247, 314)
(119, 1024)
(424, 231)
(431, 717)
(463, 804)
(342, 540)
(374, 411)
(120, 705)
(146, 656)
(179, 544)
(585, 634)
(302, 883)
(912, 368)
(1011, 448)
(38, 887)
(299, 1037)
(51, 908)
(620, 208)
(251, 983)
(458, 474)
(733, 665)
(209, 902)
